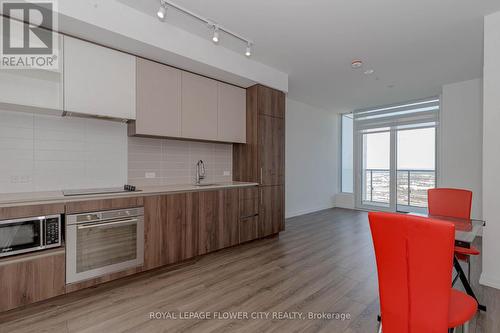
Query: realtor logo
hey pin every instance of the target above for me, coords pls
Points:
(28, 40)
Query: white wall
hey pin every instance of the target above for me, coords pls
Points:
(461, 137)
(491, 152)
(44, 153)
(312, 139)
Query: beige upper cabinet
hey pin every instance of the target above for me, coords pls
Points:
(158, 99)
(98, 80)
(231, 113)
(199, 107)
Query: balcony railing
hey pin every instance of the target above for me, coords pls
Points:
(412, 186)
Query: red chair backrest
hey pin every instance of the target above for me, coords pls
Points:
(450, 202)
(414, 263)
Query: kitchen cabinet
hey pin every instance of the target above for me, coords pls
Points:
(231, 113)
(249, 229)
(33, 89)
(271, 150)
(199, 107)
(98, 80)
(158, 100)
(31, 278)
(262, 158)
(219, 220)
(170, 229)
(271, 102)
(272, 213)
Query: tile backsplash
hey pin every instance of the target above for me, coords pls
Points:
(166, 162)
(44, 153)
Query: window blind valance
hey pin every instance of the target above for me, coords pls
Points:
(415, 114)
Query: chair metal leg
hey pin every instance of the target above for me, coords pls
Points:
(465, 328)
(379, 327)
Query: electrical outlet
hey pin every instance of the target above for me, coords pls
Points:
(150, 175)
(227, 173)
(22, 179)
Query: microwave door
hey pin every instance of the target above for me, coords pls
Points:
(20, 236)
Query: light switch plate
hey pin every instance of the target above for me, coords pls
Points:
(150, 175)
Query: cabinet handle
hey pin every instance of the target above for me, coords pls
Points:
(261, 175)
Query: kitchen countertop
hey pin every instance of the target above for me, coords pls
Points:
(36, 198)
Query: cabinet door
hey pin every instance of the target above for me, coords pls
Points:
(272, 212)
(249, 229)
(231, 113)
(98, 80)
(158, 99)
(38, 88)
(180, 234)
(199, 107)
(31, 278)
(271, 150)
(170, 229)
(219, 220)
(271, 102)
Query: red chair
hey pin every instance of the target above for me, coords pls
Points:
(455, 203)
(414, 263)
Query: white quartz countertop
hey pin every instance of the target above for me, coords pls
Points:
(35, 198)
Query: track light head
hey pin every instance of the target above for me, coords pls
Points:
(162, 11)
(215, 37)
(248, 51)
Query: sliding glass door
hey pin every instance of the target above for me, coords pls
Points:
(376, 166)
(416, 168)
(395, 156)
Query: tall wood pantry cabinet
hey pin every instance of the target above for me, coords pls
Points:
(262, 158)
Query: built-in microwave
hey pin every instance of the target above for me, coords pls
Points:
(29, 234)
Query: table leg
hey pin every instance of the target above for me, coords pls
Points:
(466, 284)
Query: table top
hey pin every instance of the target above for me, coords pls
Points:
(466, 230)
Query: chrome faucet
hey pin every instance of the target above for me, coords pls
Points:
(200, 172)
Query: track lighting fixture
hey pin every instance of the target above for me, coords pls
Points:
(162, 11)
(248, 52)
(215, 38)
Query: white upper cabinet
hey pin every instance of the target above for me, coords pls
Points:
(98, 80)
(32, 89)
(199, 107)
(158, 100)
(231, 114)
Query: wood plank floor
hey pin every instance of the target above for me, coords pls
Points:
(323, 262)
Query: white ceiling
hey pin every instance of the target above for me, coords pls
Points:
(414, 46)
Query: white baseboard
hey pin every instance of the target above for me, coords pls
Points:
(489, 281)
(306, 211)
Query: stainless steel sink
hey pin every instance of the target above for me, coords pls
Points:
(202, 185)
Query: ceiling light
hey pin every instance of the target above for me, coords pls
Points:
(248, 52)
(355, 64)
(215, 38)
(162, 11)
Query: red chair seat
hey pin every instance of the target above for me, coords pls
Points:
(467, 251)
(462, 308)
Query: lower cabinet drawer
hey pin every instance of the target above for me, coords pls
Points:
(249, 229)
(30, 278)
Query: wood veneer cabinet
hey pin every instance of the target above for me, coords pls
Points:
(262, 158)
(171, 228)
(219, 220)
(31, 278)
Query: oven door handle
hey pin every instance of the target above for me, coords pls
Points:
(105, 224)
